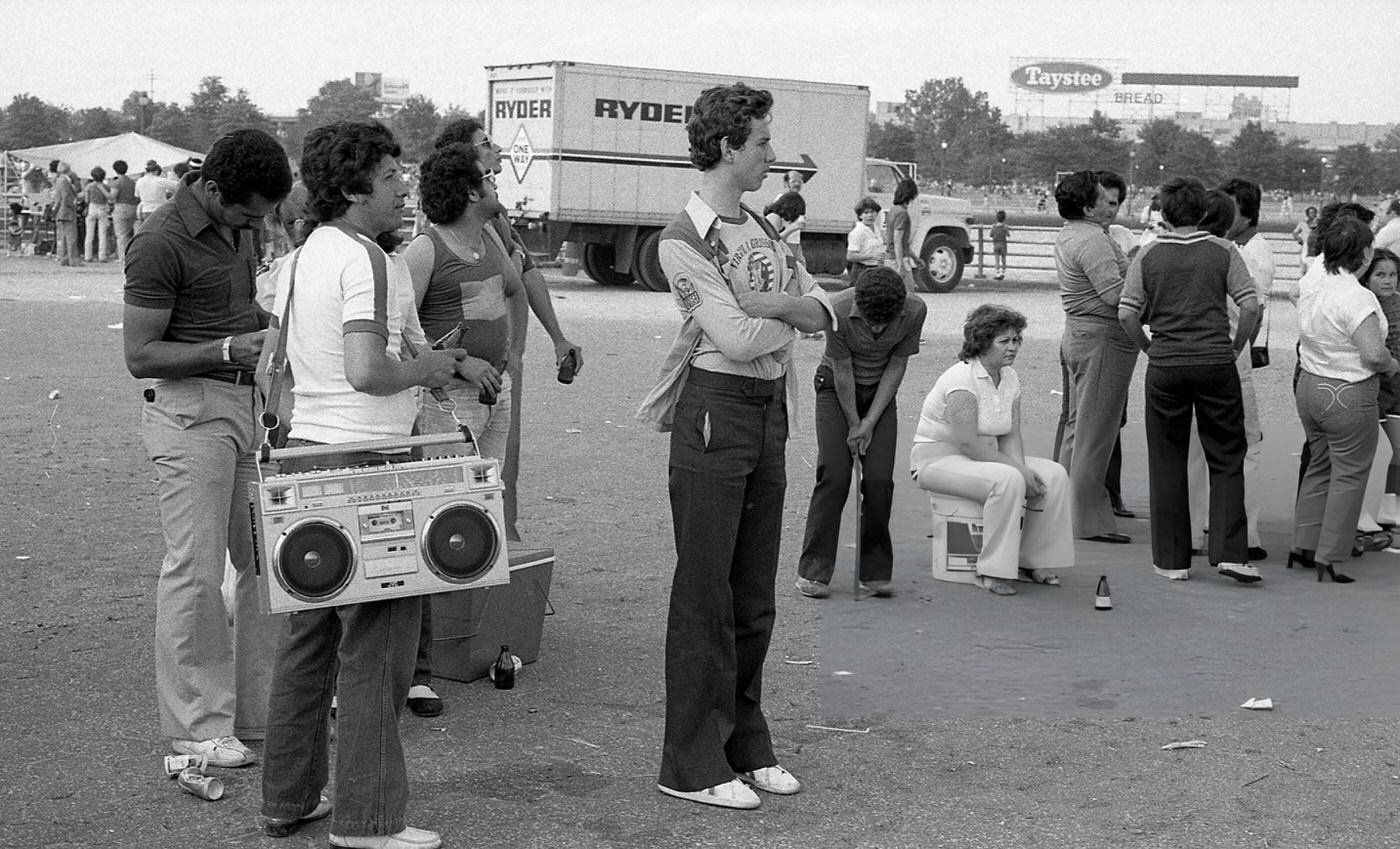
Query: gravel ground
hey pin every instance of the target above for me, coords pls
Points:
(568, 758)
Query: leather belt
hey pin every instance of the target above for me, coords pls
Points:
(753, 387)
(237, 378)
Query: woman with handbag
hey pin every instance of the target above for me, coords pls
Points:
(1342, 355)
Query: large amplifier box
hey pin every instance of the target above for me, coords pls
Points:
(346, 536)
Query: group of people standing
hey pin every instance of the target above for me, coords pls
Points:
(353, 311)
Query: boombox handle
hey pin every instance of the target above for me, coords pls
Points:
(382, 445)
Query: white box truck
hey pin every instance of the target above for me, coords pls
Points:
(598, 157)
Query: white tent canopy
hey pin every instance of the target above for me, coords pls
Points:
(84, 155)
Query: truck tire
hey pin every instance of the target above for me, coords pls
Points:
(943, 265)
(598, 262)
(648, 263)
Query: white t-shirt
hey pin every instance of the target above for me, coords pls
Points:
(345, 283)
(865, 241)
(1330, 308)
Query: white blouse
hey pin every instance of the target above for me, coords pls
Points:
(994, 402)
(1330, 308)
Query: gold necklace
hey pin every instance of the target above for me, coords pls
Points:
(464, 244)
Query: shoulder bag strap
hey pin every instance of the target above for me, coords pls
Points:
(277, 367)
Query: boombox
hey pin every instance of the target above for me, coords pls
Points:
(352, 535)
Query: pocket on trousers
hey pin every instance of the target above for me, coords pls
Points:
(178, 404)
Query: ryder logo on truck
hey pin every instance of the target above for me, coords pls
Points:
(1061, 77)
(642, 110)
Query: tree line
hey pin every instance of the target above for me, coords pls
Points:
(214, 109)
(956, 134)
(951, 132)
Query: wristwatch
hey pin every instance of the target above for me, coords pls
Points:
(228, 349)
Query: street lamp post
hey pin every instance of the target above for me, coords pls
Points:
(1132, 170)
(1322, 179)
(943, 163)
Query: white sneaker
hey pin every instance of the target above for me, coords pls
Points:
(1173, 574)
(772, 779)
(1242, 572)
(813, 589)
(730, 794)
(225, 752)
(409, 838)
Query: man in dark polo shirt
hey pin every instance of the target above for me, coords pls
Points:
(877, 330)
(190, 322)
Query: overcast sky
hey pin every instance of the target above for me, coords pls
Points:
(1344, 54)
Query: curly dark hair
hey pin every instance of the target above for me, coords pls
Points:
(341, 158)
(248, 162)
(119, 166)
(1076, 193)
(789, 206)
(880, 294)
(1219, 215)
(1343, 241)
(447, 176)
(723, 112)
(984, 324)
(98, 173)
(867, 205)
(458, 131)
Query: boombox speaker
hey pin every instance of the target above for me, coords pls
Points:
(346, 536)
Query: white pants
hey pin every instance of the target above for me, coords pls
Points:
(1012, 536)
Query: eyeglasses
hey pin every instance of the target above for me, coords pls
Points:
(486, 143)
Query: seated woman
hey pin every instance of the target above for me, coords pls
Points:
(968, 444)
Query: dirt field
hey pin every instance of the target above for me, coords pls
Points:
(569, 757)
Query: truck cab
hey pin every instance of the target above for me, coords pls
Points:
(941, 236)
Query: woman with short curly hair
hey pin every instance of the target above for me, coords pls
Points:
(968, 444)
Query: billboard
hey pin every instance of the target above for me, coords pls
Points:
(1072, 88)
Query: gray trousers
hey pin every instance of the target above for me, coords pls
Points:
(212, 677)
(1339, 421)
(1100, 358)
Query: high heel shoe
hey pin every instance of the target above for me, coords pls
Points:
(1302, 558)
(1325, 569)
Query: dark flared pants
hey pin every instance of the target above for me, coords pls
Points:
(727, 480)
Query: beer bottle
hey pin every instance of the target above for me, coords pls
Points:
(503, 670)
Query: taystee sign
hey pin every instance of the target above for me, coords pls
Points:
(1061, 77)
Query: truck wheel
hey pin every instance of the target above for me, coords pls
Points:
(598, 262)
(943, 265)
(648, 262)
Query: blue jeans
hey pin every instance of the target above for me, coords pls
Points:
(728, 475)
(822, 538)
(371, 647)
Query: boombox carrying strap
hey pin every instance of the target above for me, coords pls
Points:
(277, 368)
